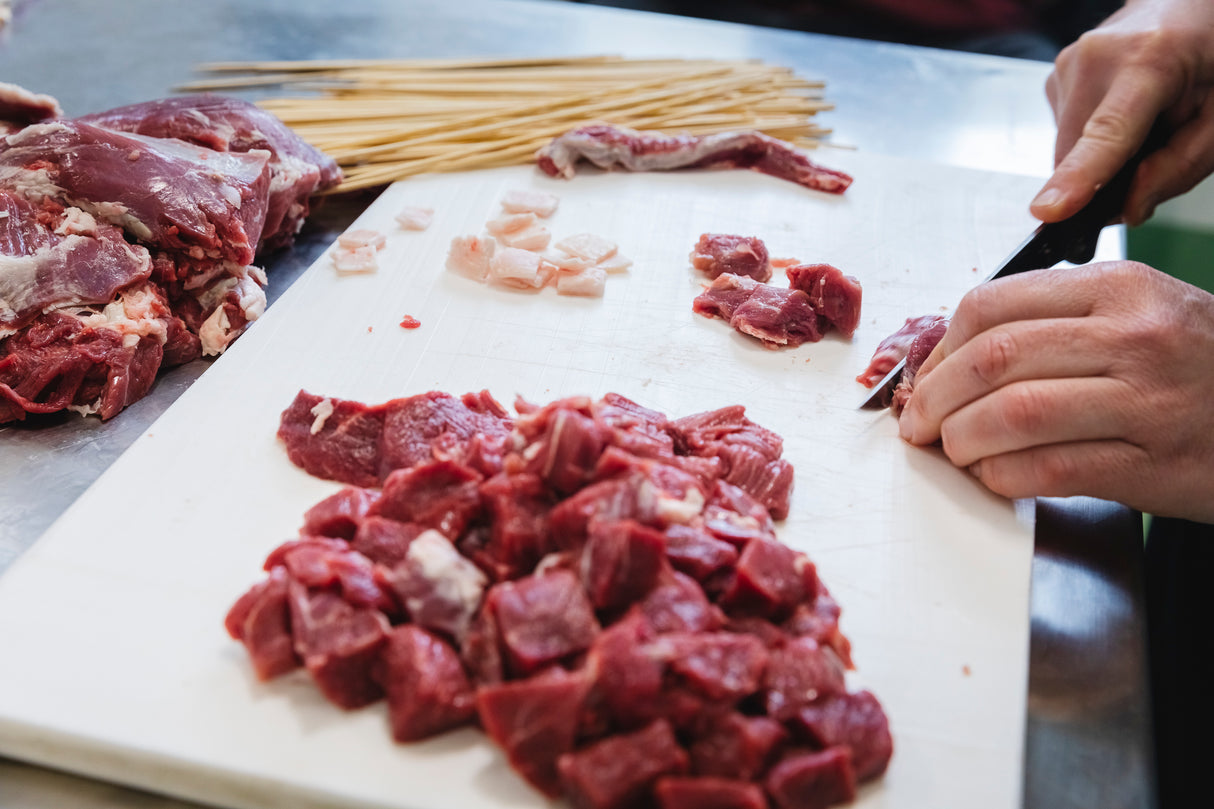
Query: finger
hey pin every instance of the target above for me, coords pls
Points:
(999, 356)
(1033, 413)
(1112, 134)
(1175, 169)
(1106, 469)
(1034, 295)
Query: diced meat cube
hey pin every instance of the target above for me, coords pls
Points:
(812, 780)
(697, 553)
(415, 217)
(770, 580)
(521, 200)
(339, 644)
(518, 506)
(362, 237)
(768, 481)
(427, 690)
(567, 451)
(516, 267)
(852, 721)
(339, 515)
(469, 256)
(834, 296)
(532, 238)
(442, 495)
(676, 792)
(510, 223)
(736, 746)
(798, 674)
(777, 316)
(719, 253)
(718, 665)
(621, 562)
(678, 604)
(384, 541)
(325, 563)
(589, 246)
(542, 619)
(439, 587)
(535, 721)
(354, 261)
(628, 678)
(589, 283)
(820, 621)
(614, 499)
(619, 772)
(616, 263)
(261, 620)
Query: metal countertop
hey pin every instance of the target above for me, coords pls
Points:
(1088, 725)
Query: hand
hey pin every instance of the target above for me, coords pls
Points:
(1096, 380)
(1152, 58)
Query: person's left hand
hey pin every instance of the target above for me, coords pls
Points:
(1095, 380)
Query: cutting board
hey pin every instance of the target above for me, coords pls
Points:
(113, 659)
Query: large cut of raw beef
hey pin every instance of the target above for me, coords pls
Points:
(127, 240)
(599, 587)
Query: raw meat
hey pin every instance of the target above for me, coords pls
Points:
(514, 267)
(227, 124)
(469, 256)
(362, 237)
(522, 573)
(525, 200)
(606, 146)
(718, 253)
(19, 107)
(774, 315)
(590, 283)
(916, 355)
(834, 296)
(894, 348)
(592, 248)
(354, 260)
(414, 217)
(511, 223)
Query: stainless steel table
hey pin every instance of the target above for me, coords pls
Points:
(1087, 739)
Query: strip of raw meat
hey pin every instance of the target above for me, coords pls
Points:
(51, 257)
(916, 355)
(606, 146)
(834, 296)
(19, 107)
(165, 193)
(227, 124)
(892, 349)
(719, 253)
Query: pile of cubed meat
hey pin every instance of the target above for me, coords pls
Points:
(599, 587)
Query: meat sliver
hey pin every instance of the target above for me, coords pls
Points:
(521, 200)
(415, 217)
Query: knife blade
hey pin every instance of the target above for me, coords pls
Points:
(1073, 239)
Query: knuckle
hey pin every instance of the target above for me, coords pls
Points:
(1108, 128)
(995, 359)
(1023, 412)
(1053, 472)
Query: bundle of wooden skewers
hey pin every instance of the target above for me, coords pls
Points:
(385, 120)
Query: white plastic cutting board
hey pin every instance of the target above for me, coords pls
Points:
(113, 658)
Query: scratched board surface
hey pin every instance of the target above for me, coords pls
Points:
(115, 663)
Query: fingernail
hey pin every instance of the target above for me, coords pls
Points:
(1048, 198)
(906, 425)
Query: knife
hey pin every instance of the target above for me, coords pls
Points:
(1072, 240)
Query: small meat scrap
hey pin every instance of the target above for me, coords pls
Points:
(777, 316)
(355, 261)
(525, 200)
(534, 238)
(587, 246)
(607, 146)
(589, 283)
(597, 586)
(362, 237)
(511, 223)
(410, 322)
(718, 253)
(835, 296)
(469, 256)
(415, 217)
(515, 267)
(916, 355)
(894, 348)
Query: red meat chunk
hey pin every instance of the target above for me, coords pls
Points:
(535, 721)
(833, 295)
(719, 253)
(820, 621)
(812, 780)
(339, 644)
(736, 746)
(770, 580)
(325, 563)
(344, 448)
(567, 453)
(542, 619)
(628, 677)
(678, 604)
(697, 553)
(261, 620)
(676, 792)
(438, 426)
(614, 499)
(798, 674)
(767, 481)
(384, 541)
(717, 665)
(339, 515)
(852, 721)
(442, 495)
(621, 562)
(517, 506)
(894, 348)
(618, 772)
(427, 690)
